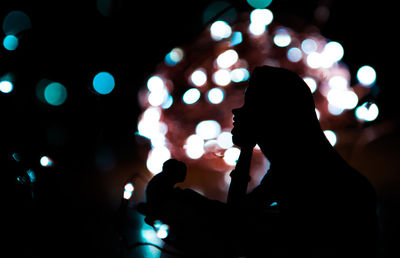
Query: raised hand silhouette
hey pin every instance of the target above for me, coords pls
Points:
(311, 203)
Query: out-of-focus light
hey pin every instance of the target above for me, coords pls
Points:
(311, 83)
(16, 22)
(222, 77)
(366, 75)
(194, 146)
(333, 51)
(223, 9)
(103, 83)
(55, 94)
(314, 60)
(317, 113)
(344, 99)
(32, 176)
(215, 95)
(208, 129)
(161, 229)
(46, 161)
(237, 38)
(220, 30)
(156, 159)
(224, 140)
(198, 77)
(10, 42)
(294, 54)
(335, 110)
(227, 59)
(367, 112)
(309, 46)
(191, 96)
(167, 102)
(155, 83)
(174, 56)
(282, 38)
(162, 232)
(231, 156)
(338, 83)
(158, 98)
(257, 29)
(259, 3)
(6, 86)
(128, 191)
(262, 17)
(331, 136)
(239, 75)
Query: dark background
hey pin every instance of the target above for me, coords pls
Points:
(77, 200)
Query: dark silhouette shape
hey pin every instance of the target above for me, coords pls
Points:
(310, 203)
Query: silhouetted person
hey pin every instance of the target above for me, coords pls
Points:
(161, 186)
(310, 203)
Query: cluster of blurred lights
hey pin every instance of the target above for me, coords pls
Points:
(128, 191)
(209, 90)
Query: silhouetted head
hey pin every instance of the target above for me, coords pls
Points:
(175, 169)
(278, 111)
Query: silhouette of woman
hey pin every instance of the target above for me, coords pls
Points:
(310, 203)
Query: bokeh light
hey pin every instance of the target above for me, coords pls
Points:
(366, 75)
(331, 136)
(103, 83)
(220, 30)
(15, 22)
(367, 112)
(45, 161)
(191, 96)
(10, 42)
(196, 127)
(259, 3)
(55, 94)
(6, 86)
(215, 95)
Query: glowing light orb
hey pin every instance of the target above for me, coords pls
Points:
(333, 51)
(215, 95)
(366, 75)
(6, 86)
(231, 156)
(174, 56)
(261, 17)
(331, 136)
(198, 77)
(194, 146)
(15, 22)
(10, 42)
(103, 83)
(294, 54)
(222, 77)
(367, 112)
(191, 96)
(240, 75)
(282, 38)
(46, 161)
(309, 46)
(259, 3)
(311, 83)
(227, 59)
(208, 129)
(224, 140)
(128, 191)
(55, 94)
(220, 30)
(156, 159)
